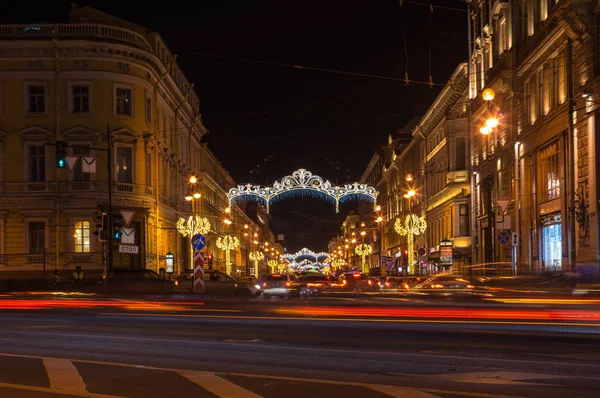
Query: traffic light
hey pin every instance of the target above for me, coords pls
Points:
(210, 260)
(101, 226)
(117, 227)
(406, 252)
(61, 154)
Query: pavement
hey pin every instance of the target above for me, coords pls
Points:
(146, 348)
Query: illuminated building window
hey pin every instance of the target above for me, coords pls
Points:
(123, 99)
(82, 237)
(125, 164)
(549, 172)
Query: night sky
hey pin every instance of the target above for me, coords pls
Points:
(267, 119)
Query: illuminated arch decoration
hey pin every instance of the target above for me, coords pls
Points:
(303, 181)
(306, 259)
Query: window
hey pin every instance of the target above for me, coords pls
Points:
(78, 174)
(149, 169)
(463, 220)
(148, 110)
(82, 237)
(530, 101)
(124, 101)
(125, 164)
(37, 163)
(549, 169)
(36, 98)
(80, 97)
(37, 237)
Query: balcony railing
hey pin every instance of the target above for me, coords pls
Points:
(121, 187)
(81, 186)
(92, 31)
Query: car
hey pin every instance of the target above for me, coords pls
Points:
(281, 285)
(358, 282)
(389, 284)
(444, 285)
(136, 280)
(314, 286)
(218, 284)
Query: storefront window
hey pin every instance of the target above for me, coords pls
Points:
(551, 242)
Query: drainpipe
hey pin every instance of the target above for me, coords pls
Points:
(57, 130)
(156, 138)
(571, 235)
(187, 95)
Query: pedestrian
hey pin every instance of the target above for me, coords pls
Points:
(56, 278)
(78, 274)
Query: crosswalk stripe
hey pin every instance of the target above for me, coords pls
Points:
(63, 375)
(401, 392)
(217, 385)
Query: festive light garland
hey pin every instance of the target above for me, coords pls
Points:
(228, 243)
(193, 225)
(304, 253)
(273, 264)
(256, 256)
(413, 225)
(303, 181)
(364, 250)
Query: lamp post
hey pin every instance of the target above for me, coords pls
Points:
(379, 221)
(491, 123)
(194, 224)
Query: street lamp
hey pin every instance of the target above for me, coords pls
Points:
(488, 95)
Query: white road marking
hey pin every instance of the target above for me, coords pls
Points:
(63, 375)
(401, 392)
(499, 377)
(217, 385)
(84, 394)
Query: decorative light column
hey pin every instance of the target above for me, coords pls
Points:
(256, 256)
(274, 264)
(228, 243)
(364, 250)
(191, 226)
(413, 225)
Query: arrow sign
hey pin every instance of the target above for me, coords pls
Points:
(71, 161)
(503, 204)
(127, 216)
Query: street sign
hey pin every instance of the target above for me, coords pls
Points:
(198, 286)
(71, 161)
(129, 249)
(198, 241)
(128, 236)
(127, 216)
(503, 204)
(421, 251)
(503, 237)
(514, 239)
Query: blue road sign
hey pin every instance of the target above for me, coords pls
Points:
(503, 237)
(198, 241)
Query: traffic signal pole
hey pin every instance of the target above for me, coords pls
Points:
(109, 237)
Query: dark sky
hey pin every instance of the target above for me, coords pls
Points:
(274, 119)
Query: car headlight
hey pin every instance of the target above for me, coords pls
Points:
(257, 286)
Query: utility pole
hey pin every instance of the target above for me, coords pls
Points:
(109, 235)
(489, 238)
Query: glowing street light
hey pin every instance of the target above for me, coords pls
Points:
(488, 94)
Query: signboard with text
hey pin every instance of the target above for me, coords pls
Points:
(446, 252)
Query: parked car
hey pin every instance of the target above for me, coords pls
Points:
(136, 280)
(359, 282)
(281, 285)
(218, 283)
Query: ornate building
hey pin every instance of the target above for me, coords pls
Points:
(541, 59)
(77, 83)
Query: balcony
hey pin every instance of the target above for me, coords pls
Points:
(75, 31)
(457, 177)
(80, 186)
(122, 187)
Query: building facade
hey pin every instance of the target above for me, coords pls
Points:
(541, 59)
(78, 83)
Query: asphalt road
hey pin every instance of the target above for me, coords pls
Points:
(153, 349)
